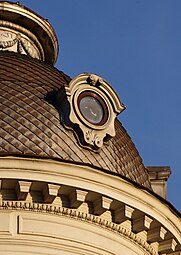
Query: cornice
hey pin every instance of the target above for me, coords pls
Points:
(77, 215)
(116, 202)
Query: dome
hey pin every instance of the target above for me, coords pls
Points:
(32, 126)
(71, 179)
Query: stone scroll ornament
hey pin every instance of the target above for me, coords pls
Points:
(94, 106)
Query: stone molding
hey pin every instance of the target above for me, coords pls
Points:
(115, 202)
(35, 207)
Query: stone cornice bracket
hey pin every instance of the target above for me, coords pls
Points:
(93, 107)
(22, 189)
(50, 192)
(25, 32)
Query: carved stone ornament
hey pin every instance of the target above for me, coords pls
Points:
(14, 41)
(94, 106)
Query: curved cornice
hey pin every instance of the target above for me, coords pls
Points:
(92, 180)
(81, 216)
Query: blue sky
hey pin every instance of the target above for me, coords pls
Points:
(136, 46)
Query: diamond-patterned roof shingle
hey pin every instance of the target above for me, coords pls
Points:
(31, 126)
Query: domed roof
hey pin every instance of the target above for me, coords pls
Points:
(31, 126)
